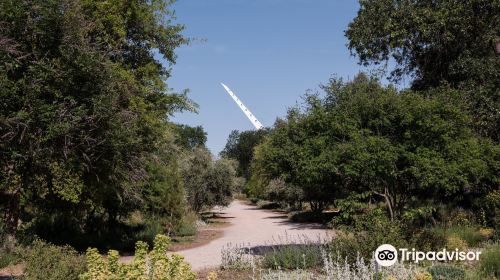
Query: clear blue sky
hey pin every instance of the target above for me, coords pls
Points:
(269, 52)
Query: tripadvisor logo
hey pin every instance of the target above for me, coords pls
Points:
(387, 255)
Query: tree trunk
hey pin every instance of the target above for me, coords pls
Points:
(388, 201)
(11, 215)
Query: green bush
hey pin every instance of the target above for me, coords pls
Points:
(155, 265)
(489, 261)
(8, 258)
(293, 256)
(151, 227)
(187, 225)
(45, 261)
(367, 233)
(470, 234)
(446, 272)
(429, 239)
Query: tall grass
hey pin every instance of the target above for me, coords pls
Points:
(489, 261)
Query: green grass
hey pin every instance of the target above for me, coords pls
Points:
(470, 234)
(489, 261)
(7, 259)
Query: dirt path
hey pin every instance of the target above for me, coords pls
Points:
(252, 227)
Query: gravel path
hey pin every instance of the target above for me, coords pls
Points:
(252, 227)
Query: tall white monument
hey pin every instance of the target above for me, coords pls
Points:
(243, 108)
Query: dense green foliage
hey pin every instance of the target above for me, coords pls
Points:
(208, 183)
(190, 137)
(293, 256)
(446, 272)
(84, 107)
(46, 261)
(88, 156)
(407, 150)
(435, 42)
(490, 261)
(240, 147)
(154, 265)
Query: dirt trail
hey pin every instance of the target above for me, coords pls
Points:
(252, 227)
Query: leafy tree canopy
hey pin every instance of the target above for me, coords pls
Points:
(240, 147)
(437, 42)
(84, 107)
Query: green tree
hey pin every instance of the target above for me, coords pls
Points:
(190, 137)
(240, 147)
(436, 42)
(405, 149)
(208, 182)
(84, 106)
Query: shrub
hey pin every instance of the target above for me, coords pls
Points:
(423, 276)
(486, 233)
(254, 200)
(446, 272)
(212, 275)
(368, 232)
(293, 256)
(187, 225)
(461, 236)
(151, 227)
(489, 261)
(310, 217)
(472, 235)
(340, 269)
(461, 217)
(155, 265)
(263, 204)
(240, 196)
(8, 258)
(429, 239)
(454, 242)
(45, 261)
(237, 257)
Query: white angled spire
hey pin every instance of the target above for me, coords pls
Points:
(243, 108)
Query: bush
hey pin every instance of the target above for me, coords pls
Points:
(454, 242)
(155, 265)
(471, 235)
(311, 217)
(263, 204)
(151, 227)
(187, 225)
(254, 200)
(368, 232)
(429, 239)
(461, 237)
(237, 257)
(8, 258)
(45, 261)
(489, 261)
(293, 256)
(446, 272)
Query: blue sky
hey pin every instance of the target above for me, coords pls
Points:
(269, 52)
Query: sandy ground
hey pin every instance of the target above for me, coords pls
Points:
(252, 227)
